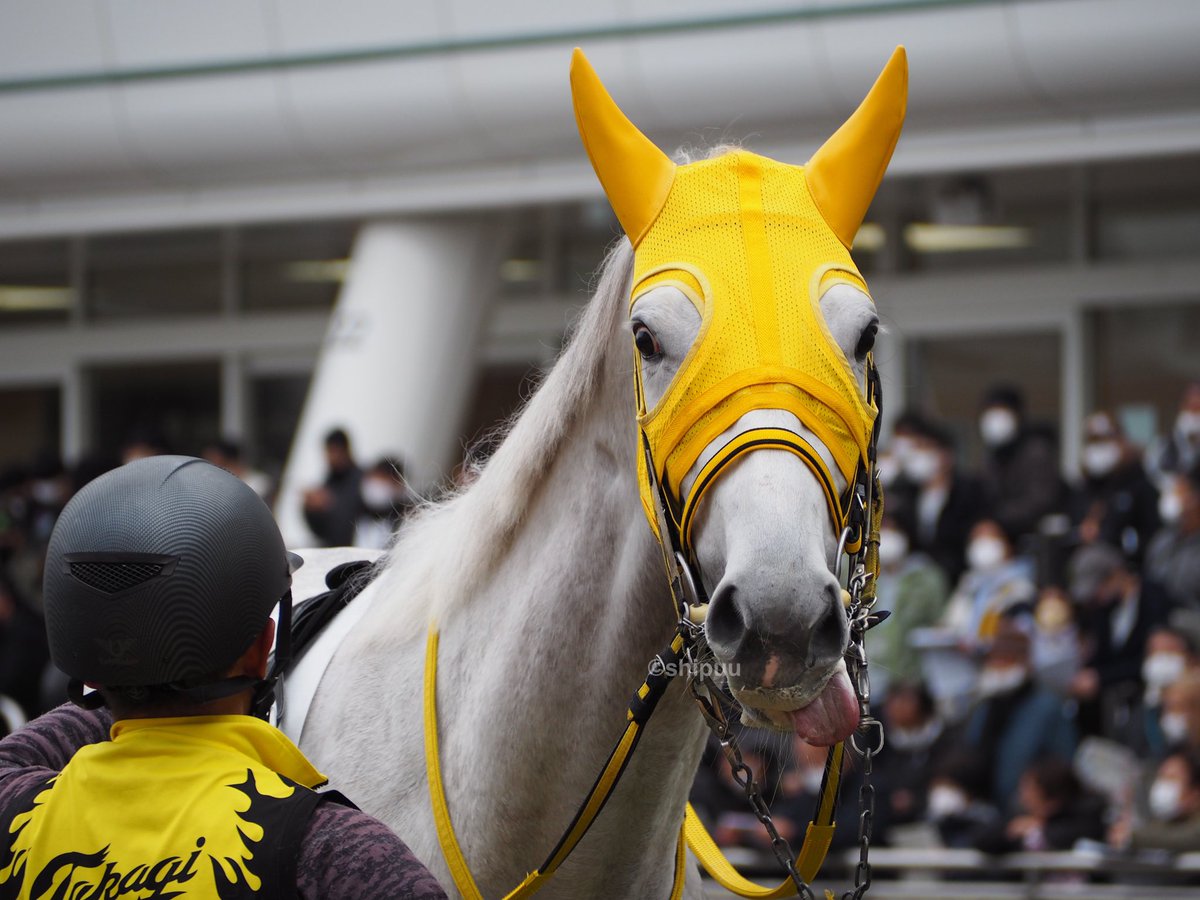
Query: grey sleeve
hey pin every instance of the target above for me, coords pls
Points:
(349, 855)
(38, 751)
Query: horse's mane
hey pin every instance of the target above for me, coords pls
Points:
(449, 546)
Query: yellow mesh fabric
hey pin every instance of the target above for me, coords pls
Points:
(744, 231)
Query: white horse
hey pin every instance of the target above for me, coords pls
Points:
(549, 592)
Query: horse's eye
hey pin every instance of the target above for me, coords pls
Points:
(646, 342)
(866, 341)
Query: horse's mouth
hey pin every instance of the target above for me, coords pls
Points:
(821, 714)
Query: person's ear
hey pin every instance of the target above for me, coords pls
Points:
(255, 660)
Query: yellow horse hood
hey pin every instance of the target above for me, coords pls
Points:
(753, 243)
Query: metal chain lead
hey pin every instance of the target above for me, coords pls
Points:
(714, 717)
(861, 620)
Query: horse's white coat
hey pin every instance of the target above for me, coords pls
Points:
(550, 596)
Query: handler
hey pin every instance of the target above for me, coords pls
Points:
(160, 581)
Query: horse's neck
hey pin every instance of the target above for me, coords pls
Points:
(548, 656)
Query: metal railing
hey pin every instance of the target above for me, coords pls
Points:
(944, 874)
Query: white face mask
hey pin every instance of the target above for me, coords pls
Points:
(378, 494)
(946, 801)
(1165, 797)
(997, 426)
(1174, 727)
(1187, 423)
(46, 493)
(993, 682)
(1170, 506)
(893, 547)
(1160, 669)
(921, 466)
(1100, 458)
(985, 553)
(901, 447)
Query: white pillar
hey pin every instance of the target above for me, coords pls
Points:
(74, 414)
(1078, 378)
(399, 359)
(233, 397)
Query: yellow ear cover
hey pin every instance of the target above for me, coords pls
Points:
(635, 174)
(845, 173)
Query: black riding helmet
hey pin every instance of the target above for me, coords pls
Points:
(161, 574)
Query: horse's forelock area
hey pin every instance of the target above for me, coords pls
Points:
(445, 549)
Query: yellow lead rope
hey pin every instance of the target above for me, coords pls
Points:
(815, 848)
(588, 811)
(812, 853)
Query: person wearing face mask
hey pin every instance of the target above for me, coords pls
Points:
(1117, 611)
(1171, 820)
(1020, 474)
(331, 510)
(1178, 452)
(1056, 810)
(914, 590)
(386, 500)
(1055, 650)
(917, 737)
(942, 502)
(957, 803)
(1173, 558)
(894, 453)
(997, 586)
(1015, 721)
(1179, 716)
(1170, 654)
(1115, 502)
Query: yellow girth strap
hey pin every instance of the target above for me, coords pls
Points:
(817, 839)
(636, 716)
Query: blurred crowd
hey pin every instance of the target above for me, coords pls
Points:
(353, 506)
(1039, 675)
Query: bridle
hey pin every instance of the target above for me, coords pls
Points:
(856, 513)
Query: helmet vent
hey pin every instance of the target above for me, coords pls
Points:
(112, 576)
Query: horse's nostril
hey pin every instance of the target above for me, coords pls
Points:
(827, 641)
(725, 623)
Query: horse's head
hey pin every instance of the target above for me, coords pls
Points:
(753, 330)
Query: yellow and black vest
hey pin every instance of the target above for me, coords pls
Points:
(211, 807)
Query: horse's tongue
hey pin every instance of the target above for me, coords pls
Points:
(832, 717)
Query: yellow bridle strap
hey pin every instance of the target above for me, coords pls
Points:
(638, 713)
(817, 839)
(762, 439)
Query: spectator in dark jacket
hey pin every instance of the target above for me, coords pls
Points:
(1020, 474)
(959, 804)
(1117, 613)
(1173, 559)
(1056, 811)
(1016, 722)
(916, 739)
(332, 510)
(1116, 503)
(1179, 451)
(942, 502)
